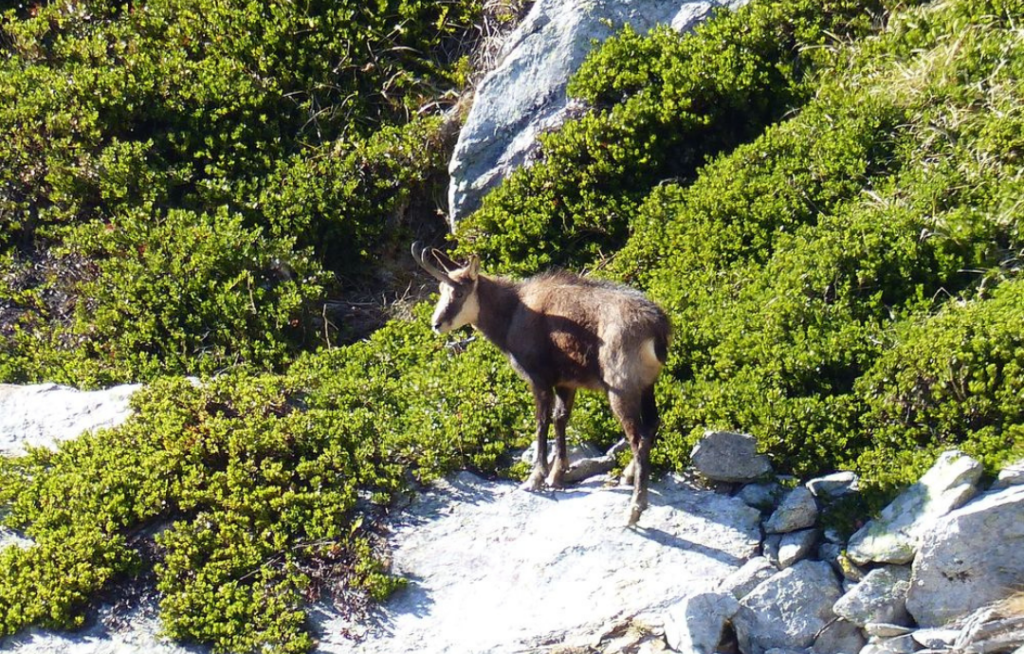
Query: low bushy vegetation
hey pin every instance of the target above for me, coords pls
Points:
(662, 103)
(824, 196)
(793, 265)
(299, 130)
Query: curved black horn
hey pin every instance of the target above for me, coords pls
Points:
(445, 261)
(420, 255)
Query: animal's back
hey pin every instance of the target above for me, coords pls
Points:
(599, 330)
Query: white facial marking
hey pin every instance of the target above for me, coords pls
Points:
(451, 295)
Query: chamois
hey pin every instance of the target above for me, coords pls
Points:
(562, 332)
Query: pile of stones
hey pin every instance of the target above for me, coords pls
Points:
(941, 569)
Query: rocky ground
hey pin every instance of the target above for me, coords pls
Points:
(730, 560)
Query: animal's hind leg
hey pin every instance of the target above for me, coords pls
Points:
(649, 421)
(542, 400)
(564, 398)
(629, 411)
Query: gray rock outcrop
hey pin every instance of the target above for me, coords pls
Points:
(881, 597)
(894, 536)
(730, 457)
(525, 94)
(788, 610)
(971, 558)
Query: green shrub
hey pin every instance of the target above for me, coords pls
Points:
(663, 104)
(790, 263)
(954, 379)
(262, 115)
(348, 203)
(256, 489)
(179, 293)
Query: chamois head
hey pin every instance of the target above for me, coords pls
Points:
(458, 305)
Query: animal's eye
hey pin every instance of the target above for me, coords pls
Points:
(459, 293)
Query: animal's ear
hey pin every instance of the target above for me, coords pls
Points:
(473, 267)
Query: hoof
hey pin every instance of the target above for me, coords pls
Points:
(535, 482)
(634, 515)
(556, 478)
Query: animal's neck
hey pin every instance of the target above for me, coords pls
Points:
(498, 300)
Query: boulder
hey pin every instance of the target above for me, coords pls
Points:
(761, 496)
(886, 630)
(748, 577)
(998, 627)
(730, 457)
(796, 545)
(897, 645)
(830, 553)
(695, 623)
(1011, 475)
(972, 557)
(788, 610)
(894, 536)
(835, 485)
(880, 597)
(798, 510)
(936, 638)
(770, 549)
(839, 637)
(587, 468)
(46, 414)
(525, 94)
(577, 452)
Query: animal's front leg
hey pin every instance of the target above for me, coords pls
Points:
(543, 399)
(563, 408)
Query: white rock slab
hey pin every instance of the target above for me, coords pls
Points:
(46, 414)
(496, 569)
(973, 557)
(894, 536)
